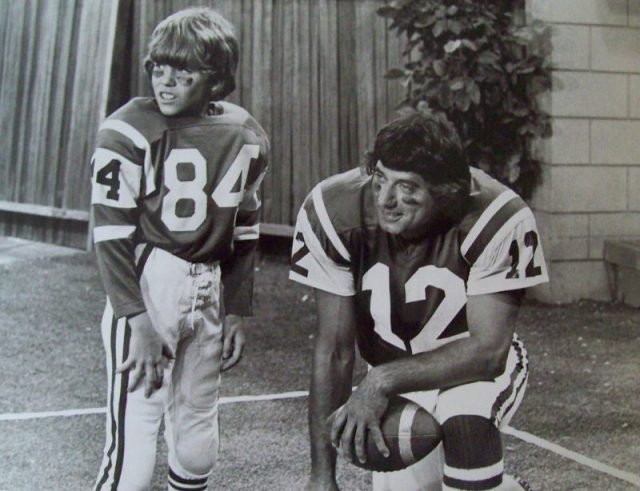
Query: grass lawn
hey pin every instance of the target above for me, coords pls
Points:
(584, 389)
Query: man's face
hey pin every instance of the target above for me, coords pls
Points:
(403, 203)
(179, 92)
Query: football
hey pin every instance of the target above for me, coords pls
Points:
(409, 431)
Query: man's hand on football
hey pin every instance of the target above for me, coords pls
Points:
(234, 339)
(148, 356)
(359, 419)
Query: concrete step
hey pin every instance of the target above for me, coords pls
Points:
(622, 258)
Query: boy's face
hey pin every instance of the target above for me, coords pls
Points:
(180, 92)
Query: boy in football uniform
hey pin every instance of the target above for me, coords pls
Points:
(175, 204)
(420, 260)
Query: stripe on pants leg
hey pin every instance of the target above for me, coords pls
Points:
(117, 350)
(509, 399)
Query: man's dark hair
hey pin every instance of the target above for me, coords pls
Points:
(429, 145)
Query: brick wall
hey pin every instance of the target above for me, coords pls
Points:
(592, 173)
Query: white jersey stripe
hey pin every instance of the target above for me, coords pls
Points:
(127, 130)
(325, 221)
(508, 226)
(139, 141)
(324, 273)
(129, 185)
(251, 200)
(111, 232)
(247, 233)
(487, 214)
(476, 474)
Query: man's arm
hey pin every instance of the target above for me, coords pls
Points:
(333, 361)
(481, 356)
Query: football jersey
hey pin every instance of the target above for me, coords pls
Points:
(411, 295)
(187, 185)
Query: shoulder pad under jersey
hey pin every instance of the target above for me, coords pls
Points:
(335, 207)
(142, 114)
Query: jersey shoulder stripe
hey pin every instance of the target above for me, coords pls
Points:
(142, 113)
(493, 206)
(130, 131)
(334, 209)
(348, 200)
(234, 115)
(113, 232)
(325, 223)
(126, 130)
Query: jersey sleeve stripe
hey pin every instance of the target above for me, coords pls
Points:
(106, 215)
(490, 222)
(247, 233)
(250, 203)
(139, 141)
(112, 232)
(325, 221)
(321, 271)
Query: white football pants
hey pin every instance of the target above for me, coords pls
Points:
(496, 400)
(183, 301)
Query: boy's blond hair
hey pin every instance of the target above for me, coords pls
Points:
(197, 39)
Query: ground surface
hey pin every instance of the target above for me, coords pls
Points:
(584, 389)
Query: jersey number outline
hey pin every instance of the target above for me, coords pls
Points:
(530, 240)
(376, 280)
(224, 194)
(228, 193)
(109, 175)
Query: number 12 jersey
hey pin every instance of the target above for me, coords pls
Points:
(411, 295)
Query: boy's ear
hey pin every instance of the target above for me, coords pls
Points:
(217, 89)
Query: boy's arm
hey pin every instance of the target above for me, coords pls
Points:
(238, 277)
(117, 170)
(237, 269)
(116, 176)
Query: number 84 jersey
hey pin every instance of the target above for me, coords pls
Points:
(187, 185)
(411, 296)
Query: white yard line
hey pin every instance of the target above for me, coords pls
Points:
(522, 435)
(102, 410)
(51, 414)
(570, 454)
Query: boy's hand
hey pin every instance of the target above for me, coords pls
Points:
(148, 355)
(234, 340)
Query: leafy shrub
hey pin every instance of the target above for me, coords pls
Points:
(470, 59)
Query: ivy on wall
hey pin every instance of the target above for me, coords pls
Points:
(471, 60)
